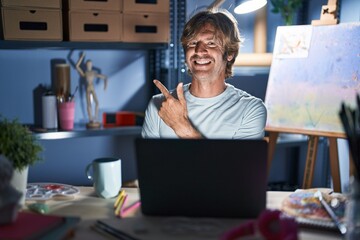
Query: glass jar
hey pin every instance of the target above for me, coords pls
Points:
(352, 212)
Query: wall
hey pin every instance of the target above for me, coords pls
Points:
(22, 71)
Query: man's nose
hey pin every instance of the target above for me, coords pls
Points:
(200, 47)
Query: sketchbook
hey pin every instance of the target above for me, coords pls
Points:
(309, 212)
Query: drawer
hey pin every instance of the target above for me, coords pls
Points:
(162, 6)
(148, 27)
(95, 26)
(103, 5)
(32, 24)
(32, 3)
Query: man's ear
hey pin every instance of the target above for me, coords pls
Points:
(230, 57)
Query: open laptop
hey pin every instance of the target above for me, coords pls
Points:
(202, 178)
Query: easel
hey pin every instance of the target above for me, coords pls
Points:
(328, 15)
(311, 153)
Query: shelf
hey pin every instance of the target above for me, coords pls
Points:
(11, 44)
(82, 131)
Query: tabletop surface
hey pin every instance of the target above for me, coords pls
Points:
(92, 208)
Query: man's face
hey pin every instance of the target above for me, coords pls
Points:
(204, 55)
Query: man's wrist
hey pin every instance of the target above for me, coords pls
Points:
(189, 132)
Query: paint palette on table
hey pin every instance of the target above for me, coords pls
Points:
(45, 191)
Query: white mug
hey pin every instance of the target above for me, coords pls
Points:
(106, 176)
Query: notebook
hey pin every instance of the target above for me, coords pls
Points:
(202, 178)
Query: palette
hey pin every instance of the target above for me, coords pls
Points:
(45, 191)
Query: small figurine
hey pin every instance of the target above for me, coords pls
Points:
(9, 196)
(90, 75)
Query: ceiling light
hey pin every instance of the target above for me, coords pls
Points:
(246, 6)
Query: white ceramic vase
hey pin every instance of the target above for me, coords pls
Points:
(19, 182)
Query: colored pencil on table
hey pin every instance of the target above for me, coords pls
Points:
(121, 194)
(130, 208)
(120, 205)
(102, 226)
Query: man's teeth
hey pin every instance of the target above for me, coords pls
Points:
(202, 61)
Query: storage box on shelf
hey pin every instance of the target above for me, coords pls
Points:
(146, 27)
(108, 5)
(146, 21)
(147, 6)
(32, 3)
(95, 26)
(32, 20)
(95, 20)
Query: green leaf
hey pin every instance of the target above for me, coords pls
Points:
(18, 144)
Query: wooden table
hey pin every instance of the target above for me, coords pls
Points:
(91, 208)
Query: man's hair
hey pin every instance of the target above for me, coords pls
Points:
(226, 30)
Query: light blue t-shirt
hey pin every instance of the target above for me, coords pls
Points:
(234, 114)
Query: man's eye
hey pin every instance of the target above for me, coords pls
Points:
(191, 44)
(211, 44)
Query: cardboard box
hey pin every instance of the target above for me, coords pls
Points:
(153, 6)
(32, 3)
(147, 27)
(108, 5)
(32, 24)
(95, 26)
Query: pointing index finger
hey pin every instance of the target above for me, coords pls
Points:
(162, 88)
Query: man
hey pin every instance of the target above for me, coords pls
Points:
(207, 107)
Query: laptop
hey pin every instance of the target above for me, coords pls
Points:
(202, 178)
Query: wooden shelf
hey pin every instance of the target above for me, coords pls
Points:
(12, 44)
(82, 131)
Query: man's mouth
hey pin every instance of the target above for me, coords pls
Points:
(202, 61)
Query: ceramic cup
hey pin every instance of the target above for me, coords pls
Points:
(106, 176)
(66, 115)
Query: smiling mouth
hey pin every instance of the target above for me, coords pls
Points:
(202, 62)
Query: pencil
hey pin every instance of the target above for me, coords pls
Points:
(122, 192)
(120, 205)
(106, 234)
(130, 208)
(113, 231)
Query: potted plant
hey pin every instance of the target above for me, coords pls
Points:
(21, 148)
(287, 9)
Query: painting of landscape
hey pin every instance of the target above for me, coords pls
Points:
(314, 70)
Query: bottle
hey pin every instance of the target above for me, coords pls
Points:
(49, 111)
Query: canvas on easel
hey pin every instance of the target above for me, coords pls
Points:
(314, 69)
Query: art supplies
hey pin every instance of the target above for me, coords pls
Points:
(304, 205)
(350, 119)
(120, 203)
(102, 227)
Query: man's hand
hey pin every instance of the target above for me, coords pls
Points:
(174, 112)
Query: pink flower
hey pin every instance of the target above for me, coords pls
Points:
(244, 229)
(274, 226)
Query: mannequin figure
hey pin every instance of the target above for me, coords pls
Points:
(90, 75)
